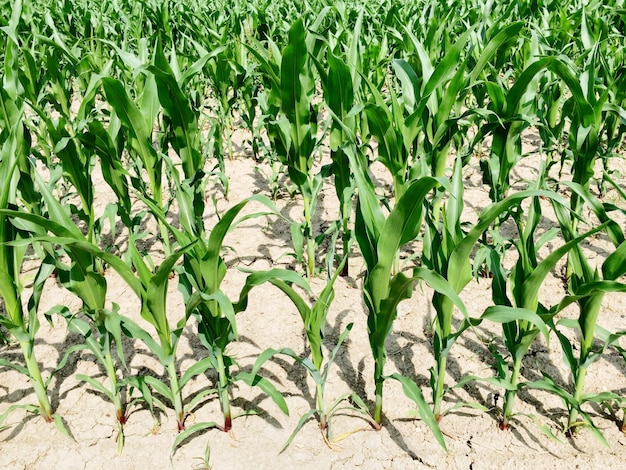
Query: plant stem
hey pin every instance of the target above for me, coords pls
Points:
(378, 407)
(176, 394)
(37, 381)
(509, 396)
(588, 319)
(310, 248)
(165, 237)
(441, 377)
(443, 330)
(229, 139)
(346, 235)
(395, 268)
(120, 412)
(578, 391)
(399, 187)
(308, 235)
(320, 407)
(222, 390)
(436, 212)
(157, 192)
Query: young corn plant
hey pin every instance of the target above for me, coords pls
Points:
(590, 124)
(90, 286)
(338, 89)
(525, 316)
(604, 87)
(380, 239)
(447, 251)
(314, 319)
(65, 156)
(431, 100)
(200, 277)
(588, 287)
(14, 150)
(441, 240)
(102, 332)
(21, 325)
(414, 131)
(134, 121)
(151, 288)
(293, 132)
(228, 79)
(340, 77)
(512, 112)
(203, 269)
(613, 402)
(101, 339)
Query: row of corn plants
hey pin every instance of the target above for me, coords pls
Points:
(148, 95)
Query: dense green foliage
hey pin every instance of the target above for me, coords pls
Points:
(148, 93)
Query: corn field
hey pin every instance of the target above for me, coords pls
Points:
(307, 233)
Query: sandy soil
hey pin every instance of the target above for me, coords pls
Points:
(473, 438)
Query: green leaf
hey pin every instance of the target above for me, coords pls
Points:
(615, 264)
(134, 331)
(412, 391)
(258, 278)
(133, 122)
(301, 422)
(459, 270)
(197, 368)
(267, 354)
(496, 45)
(402, 225)
(190, 431)
(441, 285)
(267, 387)
(154, 305)
(505, 314)
(333, 353)
(159, 387)
(16, 367)
(97, 385)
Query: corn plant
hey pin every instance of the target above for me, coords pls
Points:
(337, 84)
(613, 401)
(22, 326)
(314, 319)
(431, 100)
(588, 287)
(14, 150)
(526, 316)
(511, 117)
(447, 251)
(200, 277)
(293, 133)
(102, 333)
(90, 286)
(414, 131)
(591, 123)
(228, 79)
(152, 290)
(380, 240)
(135, 121)
(101, 340)
(340, 77)
(205, 272)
